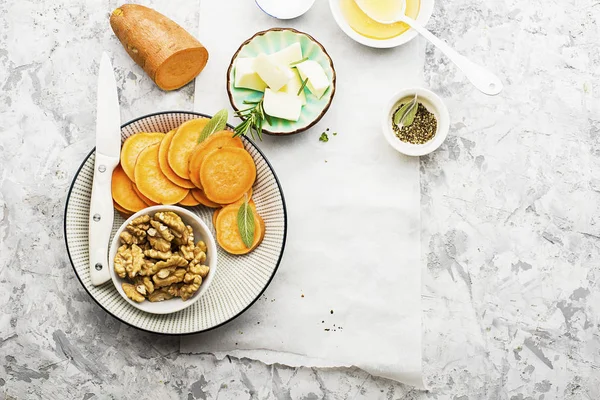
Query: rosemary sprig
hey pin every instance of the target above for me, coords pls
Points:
(298, 62)
(302, 87)
(252, 119)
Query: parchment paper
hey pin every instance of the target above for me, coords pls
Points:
(348, 290)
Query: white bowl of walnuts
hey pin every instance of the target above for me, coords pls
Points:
(162, 259)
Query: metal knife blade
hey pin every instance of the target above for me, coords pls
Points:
(108, 148)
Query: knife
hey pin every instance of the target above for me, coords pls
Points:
(108, 149)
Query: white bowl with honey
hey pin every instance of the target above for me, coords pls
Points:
(360, 27)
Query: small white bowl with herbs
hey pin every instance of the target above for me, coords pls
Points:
(415, 122)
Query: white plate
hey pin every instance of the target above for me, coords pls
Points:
(239, 281)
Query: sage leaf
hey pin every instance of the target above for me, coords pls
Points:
(216, 123)
(245, 220)
(405, 115)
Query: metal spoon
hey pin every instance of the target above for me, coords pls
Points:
(483, 79)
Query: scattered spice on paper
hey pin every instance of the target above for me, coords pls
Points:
(324, 138)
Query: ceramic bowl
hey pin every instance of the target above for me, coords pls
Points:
(285, 10)
(201, 232)
(269, 42)
(425, 11)
(434, 105)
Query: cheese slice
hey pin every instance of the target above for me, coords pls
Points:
(282, 105)
(317, 80)
(246, 76)
(289, 55)
(293, 86)
(274, 75)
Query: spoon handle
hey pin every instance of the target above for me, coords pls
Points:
(484, 80)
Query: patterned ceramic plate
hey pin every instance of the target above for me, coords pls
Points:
(269, 42)
(239, 281)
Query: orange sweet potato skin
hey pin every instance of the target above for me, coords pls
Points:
(151, 39)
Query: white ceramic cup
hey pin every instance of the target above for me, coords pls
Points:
(201, 232)
(434, 105)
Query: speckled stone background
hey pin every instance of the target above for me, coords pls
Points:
(510, 208)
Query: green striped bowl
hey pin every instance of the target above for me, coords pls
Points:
(269, 42)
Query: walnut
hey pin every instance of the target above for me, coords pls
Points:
(202, 245)
(201, 270)
(174, 261)
(145, 283)
(159, 244)
(192, 286)
(146, 267)
(173, 221)
(132, 293)
(122, 258)
(160, 295)
(128, 238)
(187, 248)
(162, 230)
(137, 261)
(163, 273)
(174, 289)
(159, 255)
(175, 277)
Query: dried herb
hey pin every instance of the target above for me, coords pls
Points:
(405, 114)
(216, 123)
(422, 128)
(245, 220)
(324, 137)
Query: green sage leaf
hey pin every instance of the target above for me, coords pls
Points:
(405, 115)
(217, 123)
(245, 220)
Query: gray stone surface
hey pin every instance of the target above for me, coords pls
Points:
(510, 209)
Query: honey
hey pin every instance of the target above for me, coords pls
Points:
(365, 26)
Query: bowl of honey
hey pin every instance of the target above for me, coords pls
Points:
(355, 23)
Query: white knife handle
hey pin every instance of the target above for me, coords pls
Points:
(101, 218)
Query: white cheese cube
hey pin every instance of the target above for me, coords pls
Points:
(274, 75)
(286, 56)
(282, 105)
(317, 80)
(246, 77)
(294, 86)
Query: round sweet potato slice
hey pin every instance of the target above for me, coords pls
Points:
(144, 198)
(124, 213)
(202, 199)
(183, 143)
(189, 201)
(228, 234)
(214, 141)
(214, 217)
(132, 148)
(152, 182)
(226, 174)
(123, 193)
(163, 161)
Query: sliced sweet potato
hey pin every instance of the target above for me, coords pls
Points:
(201, 197)
(152, 182)
(226, 174)
(132, 148)
(189, 201)
(163, 161)
(214, 217)
(124, 213)
(214, 141)
(146, 200)
(123, 193)
(183, 143)
(228, 234)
